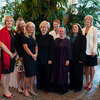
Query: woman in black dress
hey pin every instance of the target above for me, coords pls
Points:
(78, 43)
(45, 57)
(29, 57)
(20, 25)
(7, 64)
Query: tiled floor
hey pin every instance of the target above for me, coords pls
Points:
(93, 94)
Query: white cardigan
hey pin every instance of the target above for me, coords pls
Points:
(91, 40)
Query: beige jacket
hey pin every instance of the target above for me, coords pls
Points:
(91, 40)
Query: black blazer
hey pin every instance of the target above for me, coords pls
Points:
(79, 49)
(45, 48)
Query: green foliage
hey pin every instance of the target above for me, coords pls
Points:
(13, 9)
(77, 12)
(39, 10)
(36, 10)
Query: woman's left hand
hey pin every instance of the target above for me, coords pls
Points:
(13, 55)
(49, 62)
(67, 63)
(34, 57)
(93, 54)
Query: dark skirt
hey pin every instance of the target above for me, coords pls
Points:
(91, 61)
(29, 65)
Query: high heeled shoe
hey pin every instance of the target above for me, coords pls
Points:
(11, 96)
(33, 93)
(20, 90)
(46, 92)
(89, 88)
(85, 87)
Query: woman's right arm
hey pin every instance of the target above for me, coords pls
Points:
(6, 50)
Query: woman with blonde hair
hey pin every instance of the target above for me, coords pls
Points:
(91, 50)
(7, 64)
(20, 25)
(45, 57)
(29, 57)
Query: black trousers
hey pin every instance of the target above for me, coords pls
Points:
(76, 75)
(44, 77)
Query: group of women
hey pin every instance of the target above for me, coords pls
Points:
(49, 56)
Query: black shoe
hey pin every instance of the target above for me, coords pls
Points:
(61, 93)
(77, 90)
(71, 88)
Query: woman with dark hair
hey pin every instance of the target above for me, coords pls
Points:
(78, 42)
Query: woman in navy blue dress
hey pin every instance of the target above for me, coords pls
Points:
(29, 57)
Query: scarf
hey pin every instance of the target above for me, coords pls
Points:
(5, 39)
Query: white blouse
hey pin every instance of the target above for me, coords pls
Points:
(53, 33)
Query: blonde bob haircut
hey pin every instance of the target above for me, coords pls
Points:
(45, 23)
(89, 16)
(25, 30)
(18, 30)
(8, 17)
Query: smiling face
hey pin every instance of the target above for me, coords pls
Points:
(21, 25)
(8, 23)
(44, 29)
(56, 25)
(62, 32)
(30, 29)
(88, 21)
(75, 29)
